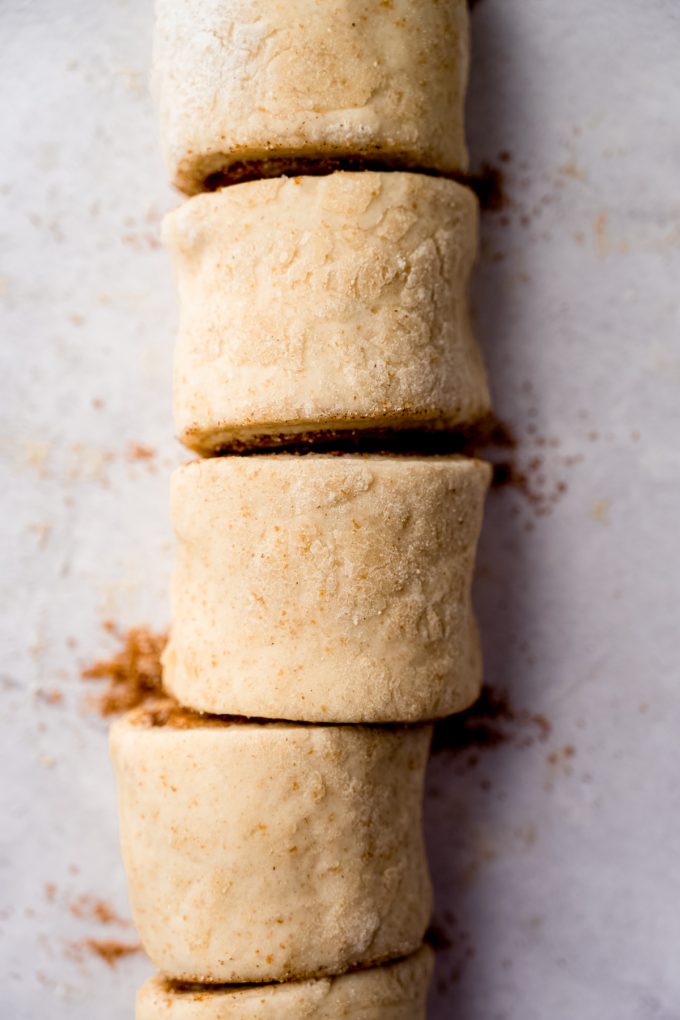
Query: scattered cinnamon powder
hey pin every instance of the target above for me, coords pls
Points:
(488, 432)
(571, 169)
(437, 937)
(142, 240)
(527, 465)
(562, 760)
(52, 696)
(133, 675)
(488, 185)
(87, 908)
(108, 950)
(137, 451)
(531, 483)
(448, 937)
(489, 723)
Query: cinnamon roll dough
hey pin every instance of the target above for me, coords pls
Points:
(395, 991)
(260, 87)
(264, 852)
(326, 588)
(324, 303)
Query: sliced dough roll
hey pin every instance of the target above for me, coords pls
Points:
(252, 88)
(263, 852)
(395, 991)
(324, 304)
(326, 588)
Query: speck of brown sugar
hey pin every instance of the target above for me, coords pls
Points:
(133, 675)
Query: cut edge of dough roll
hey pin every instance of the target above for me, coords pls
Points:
(394, 991)
(317, 305)
(326, 588)
(263, 87)
(259, 852)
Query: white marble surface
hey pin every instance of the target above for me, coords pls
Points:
(557, 871)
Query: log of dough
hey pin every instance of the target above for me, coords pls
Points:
(326, 588)
(321, 304)
(263, 87)
(264, 852)
(395, 991)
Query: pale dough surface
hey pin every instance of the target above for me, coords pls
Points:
(326, 588)
(395, 991)
(324, 303)
(263, 852)
(243, 81)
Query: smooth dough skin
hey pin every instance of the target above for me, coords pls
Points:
(395, 991)
(326, 588)
(264, 852)
(257, 87)
(324, 303)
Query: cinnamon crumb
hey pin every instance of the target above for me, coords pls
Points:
(133, 675)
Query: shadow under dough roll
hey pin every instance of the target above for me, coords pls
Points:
(262, 852)
(326, 588)
(253, 88)
(319, 304)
